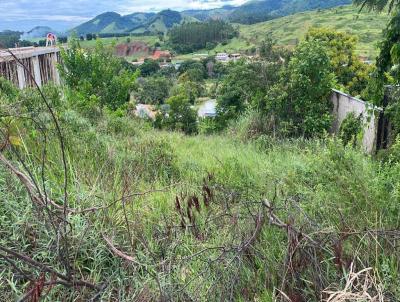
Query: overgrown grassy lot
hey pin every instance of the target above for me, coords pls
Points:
(157, 215)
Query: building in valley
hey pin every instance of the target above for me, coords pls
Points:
(162, 55)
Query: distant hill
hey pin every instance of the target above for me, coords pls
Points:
(162, 22)
(38, 32)
(111, 23)
(289, 30)
(263, 10)
(222, 13)
(249, 13)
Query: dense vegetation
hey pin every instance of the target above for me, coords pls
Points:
(259, 203)
(288, 31)
(111, 23)
(190, 37)
(9, 39)
(155, 215)
(259, 11)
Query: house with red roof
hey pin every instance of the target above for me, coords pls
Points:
(162, 55)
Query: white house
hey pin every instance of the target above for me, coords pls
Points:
(222, 57)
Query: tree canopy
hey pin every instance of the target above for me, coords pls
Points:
(192, 36)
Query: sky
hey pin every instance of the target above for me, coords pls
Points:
(65, 14)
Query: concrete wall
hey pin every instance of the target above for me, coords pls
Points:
(343, 104)
(37, 62)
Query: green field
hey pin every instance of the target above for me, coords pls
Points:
(150, 40)
(289, 30)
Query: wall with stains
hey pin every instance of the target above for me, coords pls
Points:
(343, 104)
(30, 64)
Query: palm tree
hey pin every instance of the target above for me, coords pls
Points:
(378, 5)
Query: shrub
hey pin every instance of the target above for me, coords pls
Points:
(149, 67)
(96, 76)
(154, 90)
(301, 101)
(180, 116)
(351, 129)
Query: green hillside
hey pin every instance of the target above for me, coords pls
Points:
(138, 23)
(162, 22)
(249, 13)
(262, 10)
(150, 40)
(289, 30)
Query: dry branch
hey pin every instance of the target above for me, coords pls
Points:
(118, 252)
(44, 268)
(28, 184)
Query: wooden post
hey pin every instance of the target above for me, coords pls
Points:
(36, 70)
(21, 76)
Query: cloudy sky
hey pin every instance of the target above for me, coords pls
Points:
(64, 14)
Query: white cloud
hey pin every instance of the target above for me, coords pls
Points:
(67, 13)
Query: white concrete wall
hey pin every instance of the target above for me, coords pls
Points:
(33, 55)
(343, 104)
(36, 70)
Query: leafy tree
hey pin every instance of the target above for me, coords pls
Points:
(191, 90)
(154, 90)
(350, 129)
(245, 85)
(180, 115)
(192, 36)
(387, 63)
(62, 40)
(192, 75)
(210, 45)
(348, 68)
(300, 103)
(96, 77)
(149, 67)
(169, 72)
(192, 64)
(9, 39)
(378, 5)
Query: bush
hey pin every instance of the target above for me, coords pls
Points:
(154, 90)
(149, 67)
(351, 129)
(180, 116)
(96, 77)
(300, 103)
(193, 36)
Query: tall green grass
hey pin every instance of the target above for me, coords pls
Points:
(335, 187)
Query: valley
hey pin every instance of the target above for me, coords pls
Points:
(288, 31)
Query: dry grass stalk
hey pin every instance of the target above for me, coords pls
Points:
(360, 286)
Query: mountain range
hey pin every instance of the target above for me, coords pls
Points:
(248, 13)
(39, 32)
